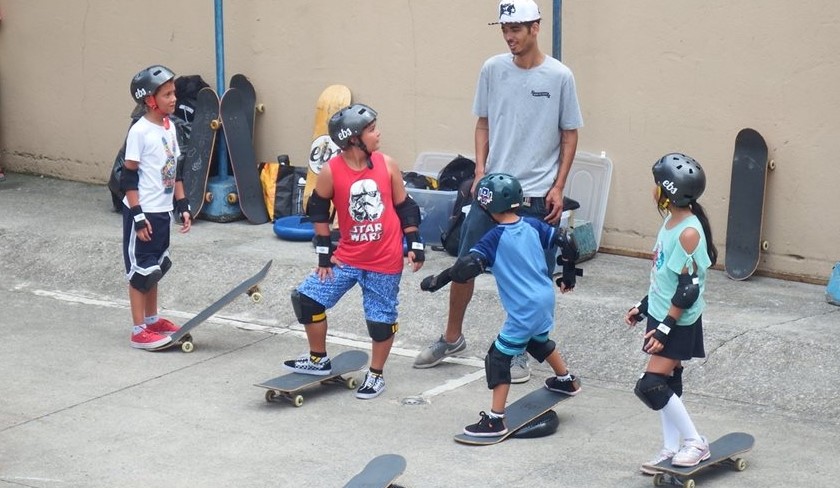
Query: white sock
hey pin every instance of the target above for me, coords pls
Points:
(678, 416)
(670, 434)
(151, 319)
(565, 377)
(494, 415)
(138, 329)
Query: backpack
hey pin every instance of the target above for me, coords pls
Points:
(451, 237)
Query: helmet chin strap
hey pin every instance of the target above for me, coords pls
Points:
(150, 102)
(361, 145)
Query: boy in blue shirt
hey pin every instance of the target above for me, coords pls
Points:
(515, 250)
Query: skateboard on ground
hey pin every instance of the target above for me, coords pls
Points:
(518, 414)
(236, 113)
(380, 472)
(199, 153)
(722, 451)
(242, 83)
(746, 204)
(289, 386)
(322, 149)
(249, 287)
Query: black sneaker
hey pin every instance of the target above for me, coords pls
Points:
(373, 386)
(569, 387)
(487, 427)
(307, 364)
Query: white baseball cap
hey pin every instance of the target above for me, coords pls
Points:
(517, 12)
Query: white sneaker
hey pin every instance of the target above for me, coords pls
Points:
(664, 454)
(691, 453)
(520, 372)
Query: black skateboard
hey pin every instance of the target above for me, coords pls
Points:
(380, 472)
(236, 113)
(722, 451)
(746, 204)
(518, 414)
(289, 386)
(243, 84)
(249, 287)
(200, 150)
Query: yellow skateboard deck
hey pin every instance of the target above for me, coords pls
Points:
(332, 99)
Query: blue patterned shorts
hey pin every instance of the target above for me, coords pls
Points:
(379, 291)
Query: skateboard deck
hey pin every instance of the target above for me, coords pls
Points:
(746, 205)
(519, 413)
(235, 115)
(322, 149)
(243, 84)
(289, 386)
(200, 150)
(379, 472)
(722, 451)
(250, 287)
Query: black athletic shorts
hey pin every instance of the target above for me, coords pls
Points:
(684, 341)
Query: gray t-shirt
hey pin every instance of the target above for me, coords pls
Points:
(526, 109)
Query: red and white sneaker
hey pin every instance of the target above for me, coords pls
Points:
(147, 339)
(163, 326)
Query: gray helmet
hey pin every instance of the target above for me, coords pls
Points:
(680, 178)
(349, 122)
(147, 81)
(498, 192)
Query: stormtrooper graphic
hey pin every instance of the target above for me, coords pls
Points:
(366, 206)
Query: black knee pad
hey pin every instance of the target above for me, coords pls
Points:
(497, 367)
(540, 350)
(145, 283)
(675, 381)
(380, 331)
(307, 310)
(165, 264)
(653, 390)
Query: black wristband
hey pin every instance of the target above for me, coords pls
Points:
(183, 205)
(415, 245)
(139, 217)
(663, 329)
(323, 247)
(643, 309)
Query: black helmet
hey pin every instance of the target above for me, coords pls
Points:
(147, 81)
(680, 178)
(498, 192)
(348, 122)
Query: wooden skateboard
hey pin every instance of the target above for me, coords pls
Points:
(199, 153)
(289, 386)
(518, 414)
(380, 472)
(322, 149)
(746, 205)
(722, 451)
(242, 83)
(236, 113)
(249, 287)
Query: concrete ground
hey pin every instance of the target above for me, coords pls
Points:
(79, 407)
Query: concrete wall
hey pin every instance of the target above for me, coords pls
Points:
(653, 77)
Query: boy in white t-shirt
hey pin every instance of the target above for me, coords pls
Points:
(151, 179)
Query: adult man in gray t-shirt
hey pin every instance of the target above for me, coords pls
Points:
(528, 116)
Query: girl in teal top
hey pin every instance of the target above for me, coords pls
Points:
(673, 307)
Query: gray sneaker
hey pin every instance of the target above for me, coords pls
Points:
(437, 351)
(520, 372)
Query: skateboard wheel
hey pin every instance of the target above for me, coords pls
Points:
(215, 124)
(689, 483)
(260, 108)
(256, 297)
(351, 383)
(765, 245)
(658, 479)
(740, 464)
(187, 346)
(771, 165)
(208, 197)
(232, 198)
(270, 396)
(297, 400)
